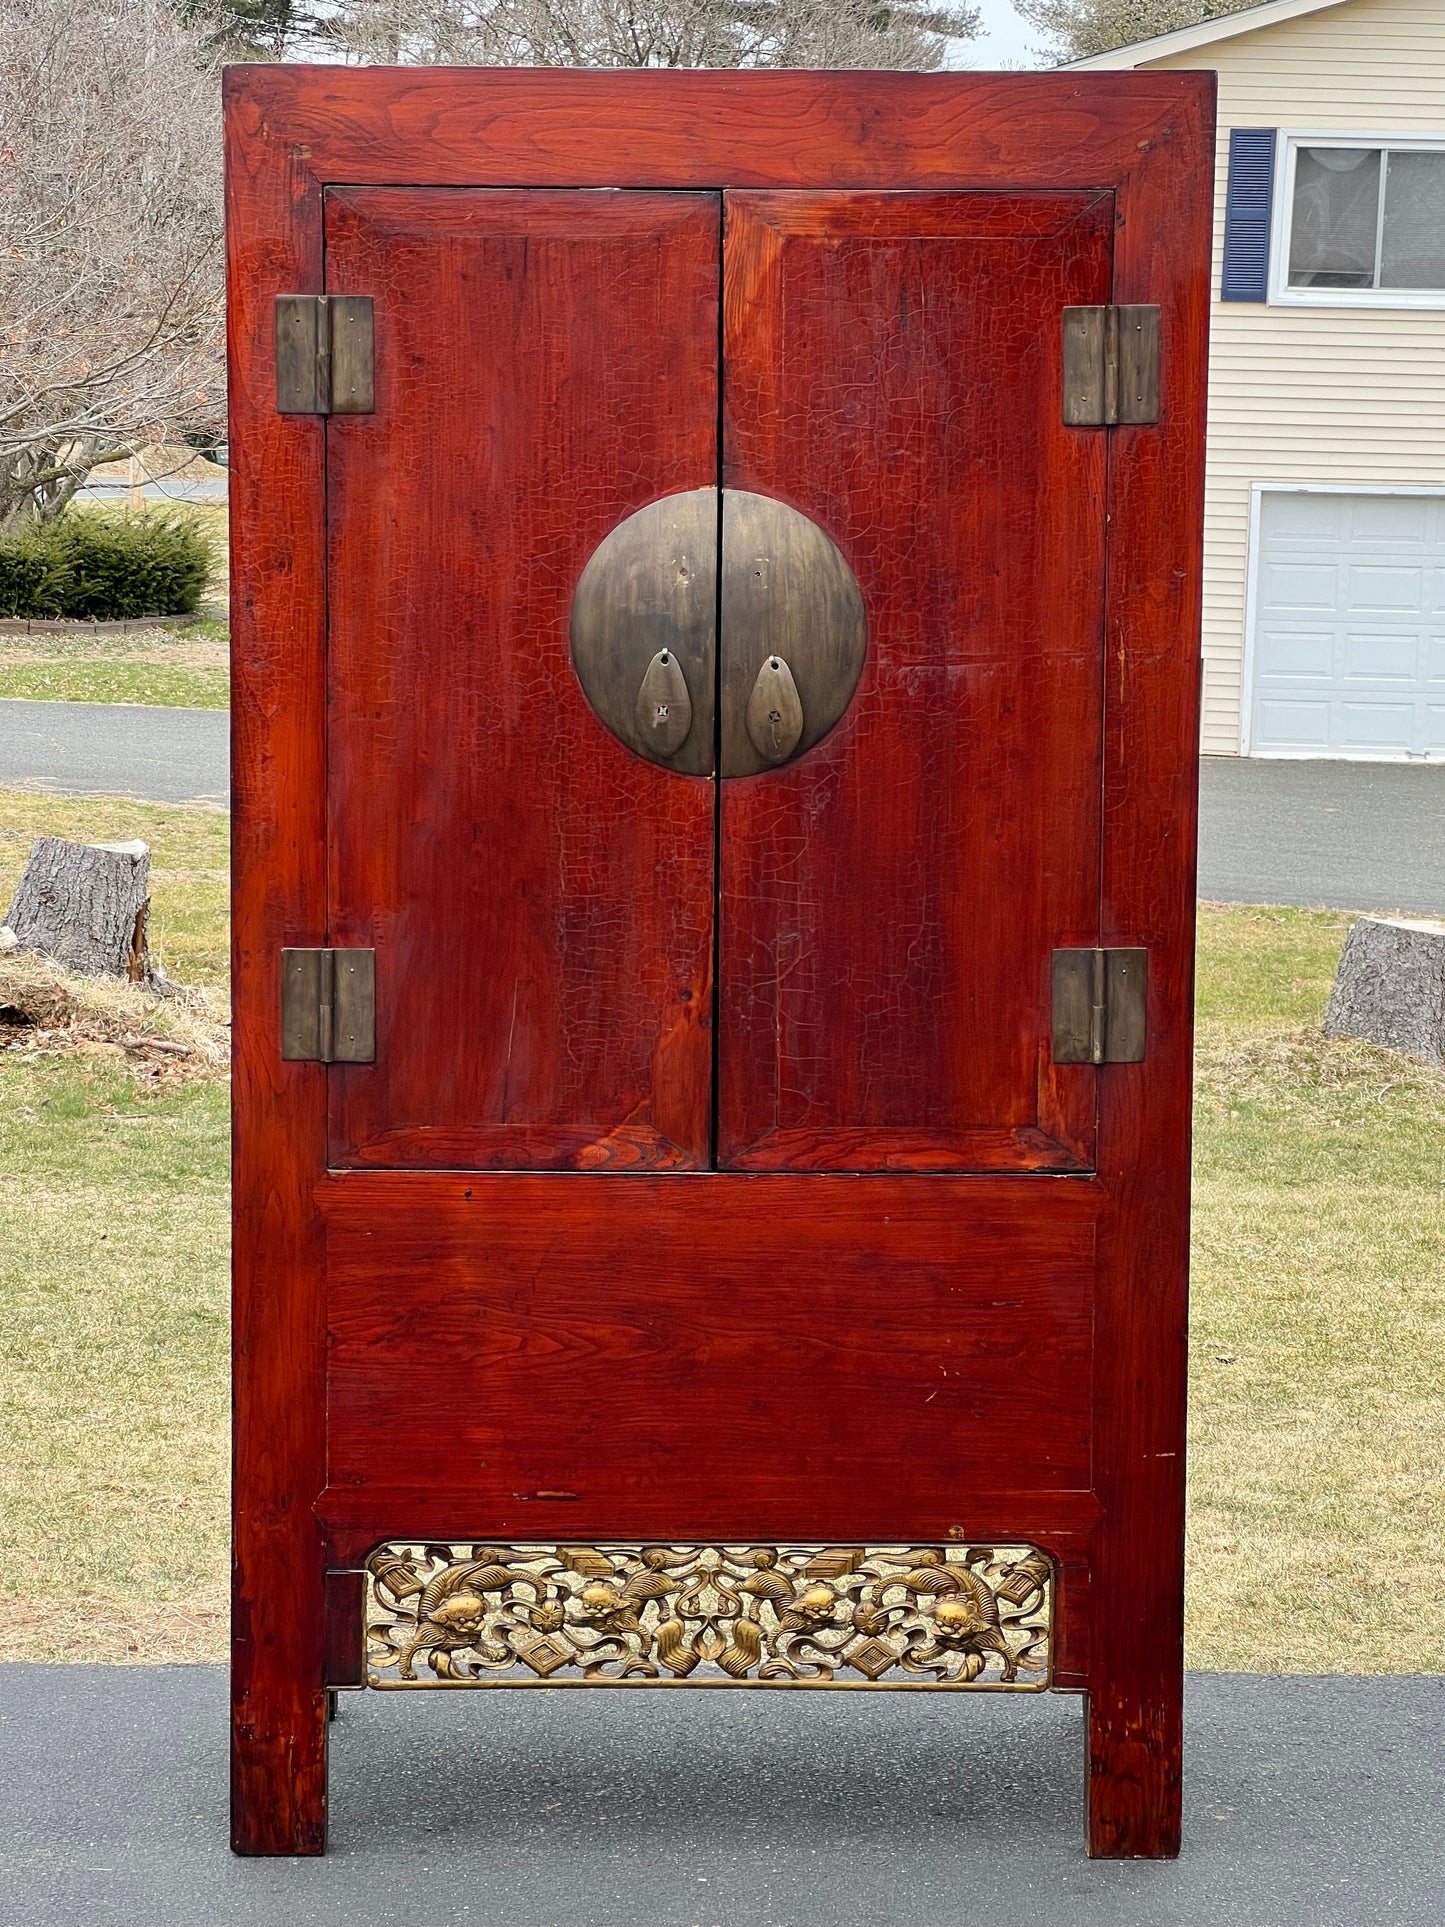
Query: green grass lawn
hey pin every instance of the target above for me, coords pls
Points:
(113, 1362)
(1316, 1476)
(1317, 1456)
(177, 669)
(113, 1318)
(169, 685)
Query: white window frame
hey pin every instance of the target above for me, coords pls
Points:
(1281, 294)
(1257, 492)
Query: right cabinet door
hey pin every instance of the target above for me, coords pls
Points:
(889, 902)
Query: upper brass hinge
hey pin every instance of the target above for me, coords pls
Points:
(1099, 1000)
(1111, 366)
(328, 1006)
(324, 359)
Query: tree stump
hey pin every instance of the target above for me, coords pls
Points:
(1390, 987)
(86, 905)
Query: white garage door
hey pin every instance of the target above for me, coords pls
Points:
(1349, 627)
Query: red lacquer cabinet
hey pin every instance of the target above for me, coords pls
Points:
(716, 585)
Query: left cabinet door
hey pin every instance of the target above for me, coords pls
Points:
(540, 899)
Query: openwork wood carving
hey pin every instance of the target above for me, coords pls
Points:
(929, 1616)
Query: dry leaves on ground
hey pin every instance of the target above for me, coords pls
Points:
(43, 1009)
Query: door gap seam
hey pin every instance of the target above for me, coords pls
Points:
(714, 1094)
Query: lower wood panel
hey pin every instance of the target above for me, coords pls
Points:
(708, 1357)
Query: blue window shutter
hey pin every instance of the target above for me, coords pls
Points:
(1247, 207)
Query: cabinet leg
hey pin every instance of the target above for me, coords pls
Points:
(278, 1771)
(1134, 1775)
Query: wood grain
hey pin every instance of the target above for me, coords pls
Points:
(1151, 735)
(890, 901)
(278, 764)
(539, 897)
(707, 1356)
(511, 127)
(742, 1352)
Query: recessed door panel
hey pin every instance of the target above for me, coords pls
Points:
(889, 900)
(539, 897)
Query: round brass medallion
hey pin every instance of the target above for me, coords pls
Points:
(645, 623)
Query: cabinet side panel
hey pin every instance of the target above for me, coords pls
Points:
(279, 898)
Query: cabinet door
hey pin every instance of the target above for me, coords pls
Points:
(889, 902)
(539, 898)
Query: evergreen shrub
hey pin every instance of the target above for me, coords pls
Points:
(101, 566)
(34, 575)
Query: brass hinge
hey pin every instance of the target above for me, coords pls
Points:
(328, 1006)
(324, 354)
(1111, 366)
(1099, 1006)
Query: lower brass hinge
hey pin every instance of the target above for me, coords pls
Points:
(1099, 1000)
(328, 1006)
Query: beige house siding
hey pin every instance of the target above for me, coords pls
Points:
(1311, 395)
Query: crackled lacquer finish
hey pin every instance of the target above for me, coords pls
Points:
(537, 895)
(968, 1329)
(890, 900)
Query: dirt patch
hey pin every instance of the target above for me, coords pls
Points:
(115, 1632)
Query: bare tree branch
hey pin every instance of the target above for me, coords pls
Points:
(111, 269)
(650, 33)
(1078, 28)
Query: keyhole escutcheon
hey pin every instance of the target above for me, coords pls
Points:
(774, 715)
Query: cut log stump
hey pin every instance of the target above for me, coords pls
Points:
(1390, 987)
(86, 905)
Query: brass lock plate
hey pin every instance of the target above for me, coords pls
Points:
(645, 628)
(646, 605)
(792, 614)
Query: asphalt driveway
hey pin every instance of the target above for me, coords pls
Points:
(116, 749)
(1340, 836)
(1309, 1803)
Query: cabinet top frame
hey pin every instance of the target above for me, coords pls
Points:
(693, 128)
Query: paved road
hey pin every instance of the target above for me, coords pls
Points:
(1349, 836)
(1346, 836)
(1310, 1803)
(116, 749)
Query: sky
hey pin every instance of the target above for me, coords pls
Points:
(1006, 41)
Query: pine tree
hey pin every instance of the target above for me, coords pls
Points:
(255, 29)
